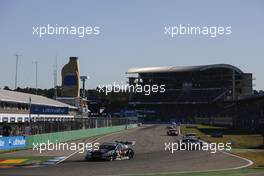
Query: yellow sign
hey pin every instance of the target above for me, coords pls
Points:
(71, 78)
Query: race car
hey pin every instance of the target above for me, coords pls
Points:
(191, 136)
(170, 127)
(110, 151)
(172, 132)
(174, 124)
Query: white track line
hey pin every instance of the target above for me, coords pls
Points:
(236, 156)
(212, 170)
(183, 172)
(187, 172)
(242, 158)
(67, 157)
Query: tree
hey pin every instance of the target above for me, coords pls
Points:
(6, 88)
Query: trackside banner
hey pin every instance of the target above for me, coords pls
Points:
(14, 142)
(38, 109)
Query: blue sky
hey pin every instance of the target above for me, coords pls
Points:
(131, 36)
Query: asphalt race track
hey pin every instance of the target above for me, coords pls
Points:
(150, 157)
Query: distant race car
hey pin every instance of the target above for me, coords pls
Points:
(110, 151)
(174, 124)
(172, 132)
(170, 127)
(191, 136)
(217, 134)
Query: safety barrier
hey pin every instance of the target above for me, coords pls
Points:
(13, 142)
(73, 135)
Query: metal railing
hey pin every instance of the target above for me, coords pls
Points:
(50, 125)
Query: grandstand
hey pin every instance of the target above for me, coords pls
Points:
(190, 90)
(18, 106)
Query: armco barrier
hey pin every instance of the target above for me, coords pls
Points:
(73, 135)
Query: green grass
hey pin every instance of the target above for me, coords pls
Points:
(238, 138)
(256, 157)
(241, 140)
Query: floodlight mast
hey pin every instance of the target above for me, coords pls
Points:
(36, 67)
(83, 78)
(17, 57)
(55, 77)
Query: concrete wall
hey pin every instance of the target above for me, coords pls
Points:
(73, 135)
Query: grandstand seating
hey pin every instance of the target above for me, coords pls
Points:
(180, 96)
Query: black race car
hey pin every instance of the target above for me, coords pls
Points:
(110, 151)
(172, 132)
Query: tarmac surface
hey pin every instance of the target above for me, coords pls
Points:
(150, 157)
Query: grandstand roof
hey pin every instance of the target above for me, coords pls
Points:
(19, 97)
(181, 68)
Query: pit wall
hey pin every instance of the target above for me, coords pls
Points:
(73, 135)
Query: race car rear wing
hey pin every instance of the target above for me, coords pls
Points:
(127, 142)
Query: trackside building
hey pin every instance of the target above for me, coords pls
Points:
(190, 90)
(17, 107)
(219, 94)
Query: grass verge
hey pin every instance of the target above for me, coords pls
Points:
(256, 156)
(239, 139)
(244, 144)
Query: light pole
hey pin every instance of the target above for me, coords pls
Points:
(36, 65)
(83, 78)
(30, 121)
(17, 56)
(55, 78)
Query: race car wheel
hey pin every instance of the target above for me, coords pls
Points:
(113, 157)
(130, 154)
